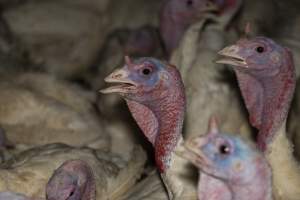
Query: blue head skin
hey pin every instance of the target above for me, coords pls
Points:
(142, 80)
(226, 157)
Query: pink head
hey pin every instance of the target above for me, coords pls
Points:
(177, 15)
(266, 76)
(231, 160)
(73, 180)
(155, 96)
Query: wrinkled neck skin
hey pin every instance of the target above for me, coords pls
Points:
(170, 115)
(161, 121)
(268, 100)
(257, 187)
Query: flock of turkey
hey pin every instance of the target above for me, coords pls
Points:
(55, 57)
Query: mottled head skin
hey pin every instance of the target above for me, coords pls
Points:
(177, 15)
(155, 96)
(232, 168)
(266, 76)
(73, 180)
(142, 42)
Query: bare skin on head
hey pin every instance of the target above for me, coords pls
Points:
(73, 180)
(155, 96)
(231, 169)
(177, 15)
(266, 76)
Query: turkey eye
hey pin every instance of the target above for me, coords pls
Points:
(189, 2)
(71, 193)
(260, 49)
(146, 71)
(224, 149)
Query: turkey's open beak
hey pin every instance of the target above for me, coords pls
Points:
(191, 150)
(232, 57)
(121, 78)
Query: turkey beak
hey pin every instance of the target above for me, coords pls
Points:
(232, 57)
(191, 150)
(122, 79)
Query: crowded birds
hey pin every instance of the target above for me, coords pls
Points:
(266, 76)
(209, 87)
(231, 168)
(28, 172)
(155, 96)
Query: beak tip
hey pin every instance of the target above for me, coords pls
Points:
(221, 52)
(102, 91)
(106, 79)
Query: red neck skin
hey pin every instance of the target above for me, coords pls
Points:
(268, 99)
(161, 120)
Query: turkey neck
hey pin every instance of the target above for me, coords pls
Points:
(286, 171)
(170, 119)
(161, 117)
(260, 185)
(268, 100)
